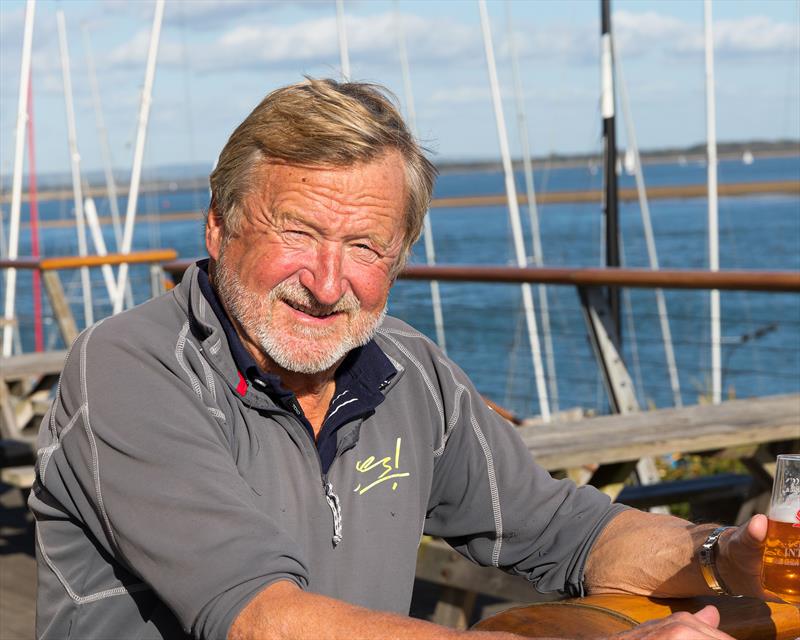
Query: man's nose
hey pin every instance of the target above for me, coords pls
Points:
(323, 277)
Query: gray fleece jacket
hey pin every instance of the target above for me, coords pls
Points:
(168, 493)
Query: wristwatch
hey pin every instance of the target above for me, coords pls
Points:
(708, 563)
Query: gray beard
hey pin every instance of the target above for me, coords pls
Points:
(254, 313)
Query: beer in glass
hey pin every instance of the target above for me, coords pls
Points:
(780, 571)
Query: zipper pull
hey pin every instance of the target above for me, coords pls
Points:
(336, 510)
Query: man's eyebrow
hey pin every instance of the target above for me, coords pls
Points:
(282, 216)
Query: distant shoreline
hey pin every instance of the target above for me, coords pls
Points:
(653, 157)
(787, 187)
(57, 187)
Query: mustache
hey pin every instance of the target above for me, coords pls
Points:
(296, 295)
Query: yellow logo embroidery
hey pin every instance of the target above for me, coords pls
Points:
(390, 470)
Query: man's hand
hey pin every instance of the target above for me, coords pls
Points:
(740, 557)
(679, 626)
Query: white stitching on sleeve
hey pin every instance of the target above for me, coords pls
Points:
(454, 417)
(206, 371)
(217, 413)
(90, 435)
(57, 397)
(487, 452)
(45, 453)
(179, 347)
(498, 516)
(92, 597)
(214, 348)
(405, 334)
(197, 387)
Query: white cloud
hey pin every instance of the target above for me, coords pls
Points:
(756, 35)
(480, 93)
(250, 44)
(461, 95)
(133, 53)
(204, 15)
(572, 42)
(640, 33)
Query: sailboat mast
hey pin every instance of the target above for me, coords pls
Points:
(33, 206)
(138, 154)
(513, 212)
(75, 165)
(713, 217)
(610, 205)
(16, 184)
(341, 30)
(102, 135)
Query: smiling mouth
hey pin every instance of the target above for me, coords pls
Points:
(311, 311)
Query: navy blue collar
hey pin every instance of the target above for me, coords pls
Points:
(360, 378)
(242, 358)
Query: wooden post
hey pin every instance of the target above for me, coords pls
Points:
(61, 310)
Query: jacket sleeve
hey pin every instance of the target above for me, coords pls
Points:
(139, 457)
(497, 507)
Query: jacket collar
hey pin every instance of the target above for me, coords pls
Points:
(366, 367)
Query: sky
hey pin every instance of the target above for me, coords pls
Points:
(218, 58)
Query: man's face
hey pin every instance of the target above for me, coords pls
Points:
(308, 275)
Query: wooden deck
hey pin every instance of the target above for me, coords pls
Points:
(17, 567)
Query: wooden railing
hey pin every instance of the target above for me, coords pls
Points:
(49, 268)
(775, 281)
(76, 262)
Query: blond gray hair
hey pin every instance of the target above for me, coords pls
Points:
(321, 122)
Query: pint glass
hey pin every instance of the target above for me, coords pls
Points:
(780, 572)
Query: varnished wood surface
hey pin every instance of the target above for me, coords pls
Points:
(742, 618)
(732, 280)
(76, 262)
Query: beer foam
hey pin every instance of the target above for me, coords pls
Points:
(785, 513)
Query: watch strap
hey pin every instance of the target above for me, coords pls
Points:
(708, 563)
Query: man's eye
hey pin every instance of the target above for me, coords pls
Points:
(295, 233)
(366, 251)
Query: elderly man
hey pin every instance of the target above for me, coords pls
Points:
(257, 453)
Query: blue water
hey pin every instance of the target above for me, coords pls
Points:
(485, 329)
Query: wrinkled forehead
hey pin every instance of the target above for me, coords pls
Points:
(284, 189)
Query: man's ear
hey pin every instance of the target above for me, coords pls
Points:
(215, 228)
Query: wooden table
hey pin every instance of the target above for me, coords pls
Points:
(622, 438)
(611, 445)
(742, 618)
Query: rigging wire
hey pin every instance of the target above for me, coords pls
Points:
(427, 231)
(652, 253)
(533, 214)
(630, 327)
(513, 206)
